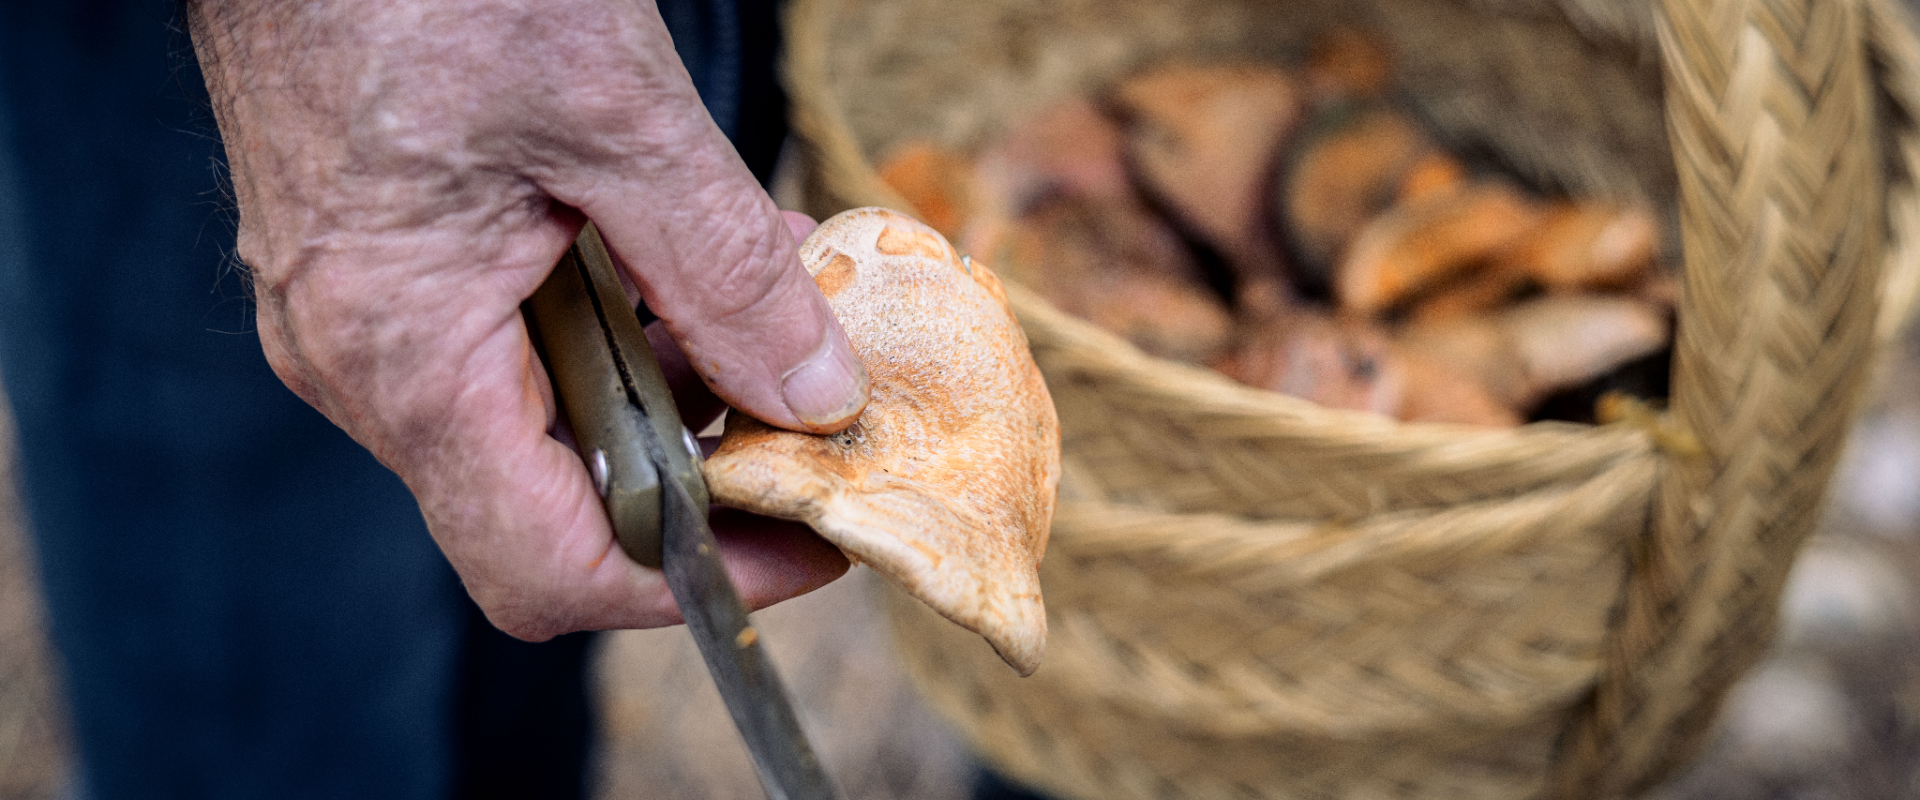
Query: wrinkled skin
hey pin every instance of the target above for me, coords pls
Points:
(407, 172)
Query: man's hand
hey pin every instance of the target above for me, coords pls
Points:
(408, 171)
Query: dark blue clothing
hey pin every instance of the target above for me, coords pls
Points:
(989, 785)
(245, 603)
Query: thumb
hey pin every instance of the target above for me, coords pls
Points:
(715, 259)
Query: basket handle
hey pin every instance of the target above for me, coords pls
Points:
(1770, 111)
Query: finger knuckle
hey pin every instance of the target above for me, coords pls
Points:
(750, 276)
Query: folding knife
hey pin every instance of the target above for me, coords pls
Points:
(646, 466)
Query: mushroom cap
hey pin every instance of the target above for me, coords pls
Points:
(946, 482)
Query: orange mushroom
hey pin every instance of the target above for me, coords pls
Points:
(945, 484)
(1415, 247)
(1204, 140)
(936, 180)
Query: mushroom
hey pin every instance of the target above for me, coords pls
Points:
(945, 484)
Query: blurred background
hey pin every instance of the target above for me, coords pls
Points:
(1833, 714)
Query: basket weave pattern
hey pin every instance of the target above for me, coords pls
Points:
(1251, 596)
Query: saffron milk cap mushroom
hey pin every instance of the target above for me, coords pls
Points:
(945, 484)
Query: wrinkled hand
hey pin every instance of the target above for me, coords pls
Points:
(408, 171)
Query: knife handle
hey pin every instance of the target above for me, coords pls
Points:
(609, 385)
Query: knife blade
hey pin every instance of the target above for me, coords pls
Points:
(609, 385)
(730, 645)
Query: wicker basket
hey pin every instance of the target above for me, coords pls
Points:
(1252, 596)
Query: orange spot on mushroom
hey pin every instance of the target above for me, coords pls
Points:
(839, 273)
(898, 242)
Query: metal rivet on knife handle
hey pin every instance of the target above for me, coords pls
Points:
(598, 468)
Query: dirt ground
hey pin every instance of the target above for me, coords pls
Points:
(1834, 714)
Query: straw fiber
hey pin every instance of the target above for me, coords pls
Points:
(1251, 596)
